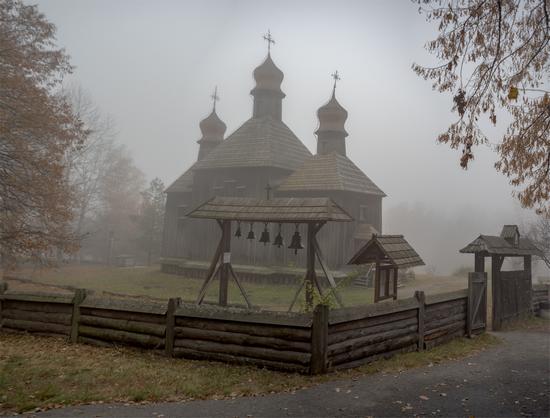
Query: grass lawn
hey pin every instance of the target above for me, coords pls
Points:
(151, 282)
(42, 372)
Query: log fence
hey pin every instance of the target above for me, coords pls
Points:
(311, 343)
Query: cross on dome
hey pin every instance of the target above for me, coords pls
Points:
(215, 98)
(336, 78)
(269, 40)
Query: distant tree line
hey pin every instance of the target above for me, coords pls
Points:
(68, 190)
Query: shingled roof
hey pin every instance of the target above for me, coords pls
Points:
(388, 249)
(490, 244)
(259, 142)
(271, 210)
(328, 173)
(183, 183)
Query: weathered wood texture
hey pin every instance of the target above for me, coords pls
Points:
(36, 313)
(541, 293)
(305, 343)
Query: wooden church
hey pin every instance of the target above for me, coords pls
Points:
(263, 156)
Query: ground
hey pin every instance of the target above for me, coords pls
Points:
(43, 372)
(151, 282)
(508, 379)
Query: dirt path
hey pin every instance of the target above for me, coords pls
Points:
(511, 379)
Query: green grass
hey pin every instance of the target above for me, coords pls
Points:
(42, 372)
(151, 282)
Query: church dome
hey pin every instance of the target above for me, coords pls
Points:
(268, 76)
(212, 128)
(332, 116)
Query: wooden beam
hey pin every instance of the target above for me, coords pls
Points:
(225, 263)
(319, 340)
(421, 298)
(326, 270)
(241, 288)
(395, 278)
(479, 263)
(212, 270)
(79, 296)
(295, 298)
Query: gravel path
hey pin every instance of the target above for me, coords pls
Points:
(510, 380)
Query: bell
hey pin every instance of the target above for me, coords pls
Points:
(251, 233)
(265, 236)
(296, 243)
(238, 232)
(279, 239)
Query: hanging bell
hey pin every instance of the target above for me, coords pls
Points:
(296, 243)
(251, 233)
(265, 236)
(238, 232)
(279, 239)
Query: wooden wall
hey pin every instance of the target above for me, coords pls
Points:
(294, 342)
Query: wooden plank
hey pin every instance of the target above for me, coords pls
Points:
(47, 317)
(37, 306)
(421, 298)
(460, 317)
(242, 339)
(254, 317)
(326, 270)
(444, 297)
(124, 325)
(245, 351)
(127, 305)
(335, 338)
(445, 329)
(211, 273)
(35, 326)
(319, 340)
(241, 288)
(369, 350)
(362, 341)
(224, 270)
(238, 359)
(124, 315)
(337, 316)
(79, 296)
(125, 337)
(287, 333)
(375, 357)
(37, 297)
(384, 320)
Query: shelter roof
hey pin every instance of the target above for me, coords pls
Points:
(259, 142)
(284, 210)
(391, 249)
(493, 245)
(330, 172)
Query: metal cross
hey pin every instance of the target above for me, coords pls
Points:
(215, 98)
(269, 40)
(336, 78)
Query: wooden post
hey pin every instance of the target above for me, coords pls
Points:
(319, 340)
(311, 279)
(470, 306)
(3, 289)
(495, 282)
(421, 298)
(226, 254)
(387, 283)
(377, 281)
(79, 296)
(479, 264)
(173, 304)
(395, 278)
(528, 277)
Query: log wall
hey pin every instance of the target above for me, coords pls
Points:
(294, 342)
(540, 293)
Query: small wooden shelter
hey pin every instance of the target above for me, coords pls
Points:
(314, 212)
(511, 289)
(389, 253)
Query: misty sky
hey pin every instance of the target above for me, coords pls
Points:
(152, 65)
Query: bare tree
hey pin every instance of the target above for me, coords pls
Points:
(87, 165)
(495, 55)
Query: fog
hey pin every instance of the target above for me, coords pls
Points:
(153, 65)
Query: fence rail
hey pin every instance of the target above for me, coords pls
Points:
(316, 342)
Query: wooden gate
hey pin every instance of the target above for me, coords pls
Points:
(511, 296)
(477, 303)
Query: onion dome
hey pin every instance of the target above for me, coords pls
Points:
(268, 76)
(212, 128)
(332, 116)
